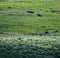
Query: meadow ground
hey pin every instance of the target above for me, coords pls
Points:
(14, 17)
(39, 20)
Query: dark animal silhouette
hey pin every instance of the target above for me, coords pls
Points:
(19, 38)
(30, 12)
(40, 15)
(9, 7)
(46, 33)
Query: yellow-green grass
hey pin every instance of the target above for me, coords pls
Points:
(24, 23)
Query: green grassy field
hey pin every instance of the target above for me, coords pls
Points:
(20, 31)
(18, 20)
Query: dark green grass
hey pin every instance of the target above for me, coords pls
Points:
(44, 47)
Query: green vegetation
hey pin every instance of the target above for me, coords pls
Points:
(16, 19)
(31, 18)
(43, 47)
